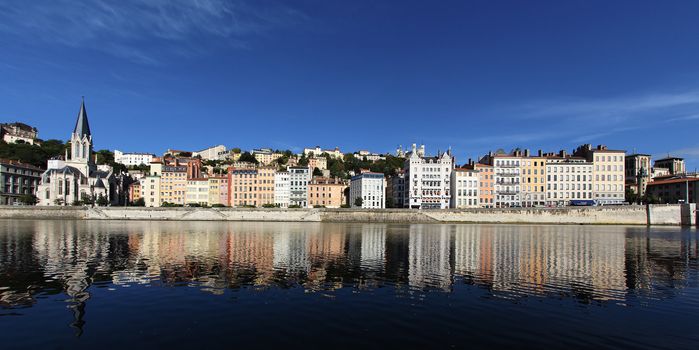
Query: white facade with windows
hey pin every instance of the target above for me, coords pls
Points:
(507, 181)
(428, 180)
(464, 188)
(197, 192)
(298, 186)
(568, 179)
(150, 190)
(132, 158)
(212, 153)
(371, 188)
(282, 188)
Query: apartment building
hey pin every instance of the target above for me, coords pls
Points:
(428, 180)
(568, 178)
(150, 190)
(608, 172)
(265, 156)
(395, 190)
(533, 180)
(173, 184)
(675, 190)
(371, 188)
(507, 171)
(197, 192)
(675, 165)
(486, 183)
(218, 190)
(17, 179)
(218, 152)
(282, 188)
(465, 188)
(134, 191)
(132, 159)
(326, 192)
(298, 186)
(318, 162)
(251, 187)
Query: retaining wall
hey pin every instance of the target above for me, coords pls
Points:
(621, 215)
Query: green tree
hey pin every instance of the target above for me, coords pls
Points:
(141, 202)
(28, 199)
(247, 157)
(358, 202)
(317, 172)
(102, 200)
(87, 199)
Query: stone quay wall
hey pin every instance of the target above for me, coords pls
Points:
(678, 214)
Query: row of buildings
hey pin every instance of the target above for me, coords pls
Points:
(587, 175)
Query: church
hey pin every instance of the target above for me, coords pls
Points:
(76, 176)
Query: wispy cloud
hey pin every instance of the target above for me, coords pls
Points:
(140, 31)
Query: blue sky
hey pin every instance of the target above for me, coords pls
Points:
(473, 75)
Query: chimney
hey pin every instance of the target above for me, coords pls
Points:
(526, 152)
(540, 153)
(562, 153)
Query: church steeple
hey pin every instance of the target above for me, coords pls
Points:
(82, 127)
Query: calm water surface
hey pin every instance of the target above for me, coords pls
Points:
(67, 284)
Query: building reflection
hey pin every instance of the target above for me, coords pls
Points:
(586, 263)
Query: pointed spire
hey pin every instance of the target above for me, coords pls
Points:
(82, 127)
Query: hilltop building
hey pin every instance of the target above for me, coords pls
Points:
(14, 132)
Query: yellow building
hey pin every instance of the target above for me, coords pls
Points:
(318, 162)
(327, 192)
(218, 190)
(173, 184)
(533, 181)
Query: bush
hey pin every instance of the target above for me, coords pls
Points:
(345, 206)
(318, 206)
(294, 206)
(217, 205)
(270, 205)
(28, 199)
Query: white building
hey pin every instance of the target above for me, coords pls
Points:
(568, 178)
(14, 132)
(212, 153)
(507, 180)
(371, 188)
(298, 185)
(150, 190)
(609, 176)
(369, 156)
(132, 158)
(282, 189)
(317, 151)
(66, 182)
(465, 188)
(428, 180)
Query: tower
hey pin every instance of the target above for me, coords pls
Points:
(81, 144)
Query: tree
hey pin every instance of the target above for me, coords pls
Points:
(58, 201)
(87, 199)
(389, 202)
(28, 199)
(317, 172)
(141, 202)
(235, 150)
(247, 157)
(358, 202)
(102, 200)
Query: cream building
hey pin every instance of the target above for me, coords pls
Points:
(318, 162)
(567, 179)
(266, 156)
(608, 173)
(197, 192)
(251, 187)
(218, 190)
(317, 151)
(150, 190)
(13, 132)
(464, 188)
(212, 153)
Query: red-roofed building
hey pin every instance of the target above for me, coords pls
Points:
(675, 190)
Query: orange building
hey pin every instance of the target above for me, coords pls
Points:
(327, 192)
(251, 187)
(486, 181)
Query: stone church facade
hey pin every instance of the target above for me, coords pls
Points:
(76, 176)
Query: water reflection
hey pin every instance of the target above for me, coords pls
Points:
(590, 264)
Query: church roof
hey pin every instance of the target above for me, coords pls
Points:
(82, 127)
(99, 183)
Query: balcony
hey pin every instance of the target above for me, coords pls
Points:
(507, 174)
